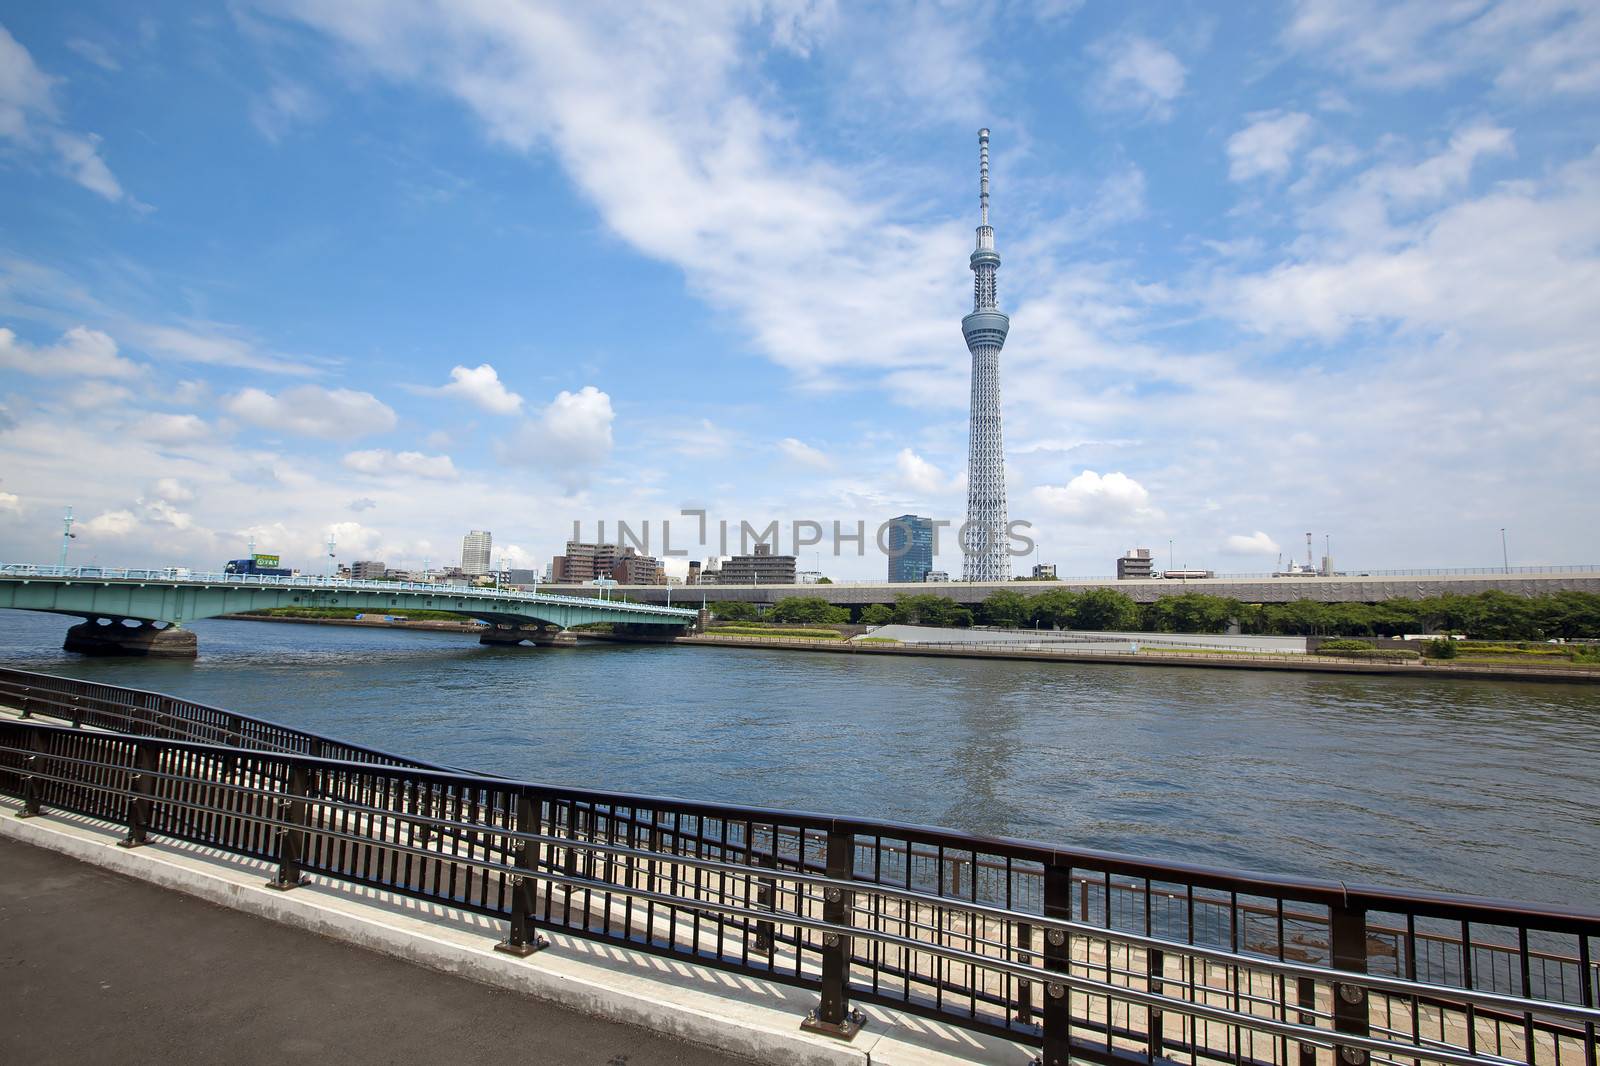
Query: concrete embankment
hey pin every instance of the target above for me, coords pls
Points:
(1300, 663)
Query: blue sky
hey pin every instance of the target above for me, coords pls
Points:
(402, 269)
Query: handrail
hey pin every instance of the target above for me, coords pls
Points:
(184, 576)
(1375, 982)
(601, 845)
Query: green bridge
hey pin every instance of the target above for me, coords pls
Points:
(142, 612)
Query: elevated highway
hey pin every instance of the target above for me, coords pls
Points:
(1373, 587)
(142, 612)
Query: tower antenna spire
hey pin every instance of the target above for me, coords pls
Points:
(983, 175)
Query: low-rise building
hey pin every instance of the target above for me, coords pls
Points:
(368, 570)
(760, 567)
(584, 562)
(1044, 571)
(936, 576)
(1136, 564)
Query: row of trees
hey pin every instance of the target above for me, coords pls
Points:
(1486, 615)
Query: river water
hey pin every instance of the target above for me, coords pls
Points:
(1491, 788)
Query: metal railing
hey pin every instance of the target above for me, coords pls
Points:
(1087, 955)
(118, 709)
(182, 575)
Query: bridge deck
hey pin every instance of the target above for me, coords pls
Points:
(103, 968)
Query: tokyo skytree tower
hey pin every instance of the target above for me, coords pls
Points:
(985, 557)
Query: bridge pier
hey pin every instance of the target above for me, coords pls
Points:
(112, 636)
(539, 636)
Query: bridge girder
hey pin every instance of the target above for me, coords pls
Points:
(177, 602)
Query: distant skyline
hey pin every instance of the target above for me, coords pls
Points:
(398, 270)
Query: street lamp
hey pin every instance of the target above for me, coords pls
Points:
(1505, 556)
(67, 535)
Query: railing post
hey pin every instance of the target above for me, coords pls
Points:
(766, 894)
(1156, 967)
(142, 784)
(291, 808)
(1306, 989)
(833, 1016)
(30, 782)
(523, 940)
(1024, 947)
(1057, 1007)
(1349, 934)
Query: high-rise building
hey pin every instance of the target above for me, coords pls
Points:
(909, 542)
(475, 551)
(1136, 564)
(984, 549)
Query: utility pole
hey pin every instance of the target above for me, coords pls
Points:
(1505, 556)
(68, 535)
(331, 570)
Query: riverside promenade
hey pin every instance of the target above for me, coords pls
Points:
(96, 967)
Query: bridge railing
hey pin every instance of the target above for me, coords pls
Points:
(119, 709)
(1088, 955)
(182, 575)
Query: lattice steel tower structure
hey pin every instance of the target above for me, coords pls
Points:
(985, 557)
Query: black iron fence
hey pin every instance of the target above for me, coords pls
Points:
(1086, 955)
(130, 710)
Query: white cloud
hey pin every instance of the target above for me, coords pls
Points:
(1137, 74)
(380, 462)
(1534, 48)
(285, 105)
(95, 53)
(1266, 147)
(313, 411)
(481, 386)
(1257, 543)
(212, 344)
(80, 352)
(363, 503)
(804, 454)
(170, 429)
(917, 474)
(568, 439)
(704, 439)
(10, 503)
(112, 524)
(1516, 265)
(1113, 498)
(172, 490)
(30, 119)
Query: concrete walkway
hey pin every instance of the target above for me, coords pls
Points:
(100, 968)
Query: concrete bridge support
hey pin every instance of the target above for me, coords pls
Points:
(539, 636)
(115, 636)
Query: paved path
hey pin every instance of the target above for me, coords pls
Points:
(98, 968)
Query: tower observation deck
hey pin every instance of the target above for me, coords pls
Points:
(984, 540)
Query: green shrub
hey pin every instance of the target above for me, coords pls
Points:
(1345, 645)
(1443, 648)
(1394, 655)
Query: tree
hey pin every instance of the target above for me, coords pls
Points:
(735, 611)
(877, 614)
(824, 580)
(1005, 608)
(1105, 609)
(1053, 609)
(813, 610)
(926, 609)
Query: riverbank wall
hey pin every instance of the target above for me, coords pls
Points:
(1297, 663)
(366, 623)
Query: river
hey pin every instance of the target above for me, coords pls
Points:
(1491, 788)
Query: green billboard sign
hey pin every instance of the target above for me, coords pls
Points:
(269, 561)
